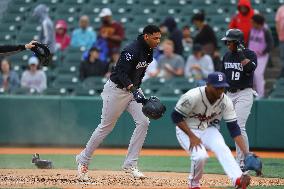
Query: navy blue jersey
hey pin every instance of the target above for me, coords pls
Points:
(132, 64)
(236, 75)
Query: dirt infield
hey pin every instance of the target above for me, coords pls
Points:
(38, 178)
(27, 178)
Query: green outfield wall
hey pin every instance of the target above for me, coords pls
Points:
(70, 121)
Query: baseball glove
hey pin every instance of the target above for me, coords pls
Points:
(153, 108)
(41, 164)
(253, 162)
(42, 52)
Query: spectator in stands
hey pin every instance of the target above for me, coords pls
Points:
(33, 78)
(112, 63)
(93, 66)
(242, 20)
(279, 19)
(186, 38)
(261, 42)
(84, 36)
(198, 65)
(111, 31)
(164, 35)
(170, 64)
(152, 70)
(102, 44)
(47, 33)
(174, 34)
(61, 35)
(205, 35)
(9, 79)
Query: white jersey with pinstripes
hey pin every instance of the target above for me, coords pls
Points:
(199, 113)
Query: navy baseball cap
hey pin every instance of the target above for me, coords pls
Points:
(217, 80)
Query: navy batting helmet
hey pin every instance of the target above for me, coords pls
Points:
(234, 35)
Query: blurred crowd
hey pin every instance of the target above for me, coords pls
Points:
(103, 45)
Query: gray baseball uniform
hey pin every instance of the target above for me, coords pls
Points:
(130, 69)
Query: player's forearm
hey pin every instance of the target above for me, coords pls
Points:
(241, 143)
(183, 126)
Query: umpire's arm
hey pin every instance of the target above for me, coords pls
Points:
(11, 49)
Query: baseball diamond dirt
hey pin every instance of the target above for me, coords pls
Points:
(37, 178)
(67, 178)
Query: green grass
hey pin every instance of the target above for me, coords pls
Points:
(272, 167)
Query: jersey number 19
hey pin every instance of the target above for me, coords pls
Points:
(235, 76)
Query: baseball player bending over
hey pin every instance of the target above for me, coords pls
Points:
(197, 115)
(122, 93)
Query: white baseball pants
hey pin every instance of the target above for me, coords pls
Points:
(212, 140)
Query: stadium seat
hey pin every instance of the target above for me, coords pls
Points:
(153, 84)
(65, 68)
(181, 83)
(24, 91)
(277, 94)
(24, 38)
(66, 81)
(150, 3)
(13, 17)
(55, 91)
(85, 92)
(20, 59)
(96, 83)
(180, 3)
(168, 92)
(3, 91)
(165, 11)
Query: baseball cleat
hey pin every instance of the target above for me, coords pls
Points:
(82, 171)
(134, 171)
(243, 181)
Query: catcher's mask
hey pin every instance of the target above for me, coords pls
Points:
(42, 52)
(153, 108)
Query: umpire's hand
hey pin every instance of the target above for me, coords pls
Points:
(30, 44)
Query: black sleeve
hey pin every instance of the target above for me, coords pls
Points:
(251, 65)
(11, 49)
(269, 41)
(234, 129)
(177, 117)
(123, 67)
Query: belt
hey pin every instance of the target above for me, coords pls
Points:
(234, 90)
